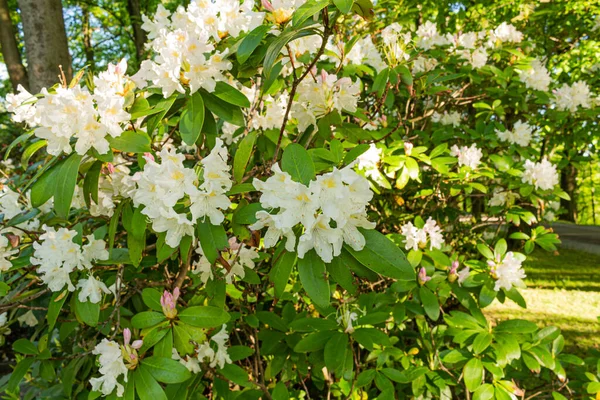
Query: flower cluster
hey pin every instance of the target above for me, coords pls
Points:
(569, 97)
(542, 175)
(363, 52)
(501, 197)
(536, 76)
(237, 259)
(317, 98)
(161, 186)
(112, 367)
(220, 357)
(75, 113)
(508, 271)
(447, 118)
(521, 134)
(58, 255)
(415, 238)
(469, 156)
(184, 44)
(341, 196)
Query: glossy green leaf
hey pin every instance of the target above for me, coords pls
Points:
(313, 276)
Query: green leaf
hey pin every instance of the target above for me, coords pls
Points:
(336, 350)
(484, 392)
(131, 142)
(90, 183)
(66, 179)
(485, 251)
(87, 311)
(364, 8)
(166, 370)
(19, 372)
(280, 392)
(242, 155)
(500, 247)
(274, 49)
(344, 5)
(312, 273)
(43, 189)
(280, 273)
(22, 138)
(430, 303)
(341, 273)
(250, 42)
(307, 10)
(192, 119)
(298, 163)
(146, 386)
(231, 95)
(473, 374)
(204, 316)
(516, 326)
(212, 238)
(30, 151)
(272, 320)
(381, 255)
(54, 307)
(24, 346)
(235, 374)
(223, 110)
(147, 319)
(481, 342)
(312, 342)
(151, 298)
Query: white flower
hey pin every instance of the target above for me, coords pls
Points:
(436, 240)
(521, 134)
(469, 156)
(542, 175)
(447, 118)
(424, 64)
(370, 159)
(9, 203)
(570, 97)
(192, 364)
(92, 251)
(3, 319)
(428, 36)
(346, 319)
(500, 197)
(111, 368)
(537, 76)
(508, 273)
(326, 241)
(365, 52)
(414, 237)
(463, 274)
(273, 234)
(478, 58)
(202, 266)
(6, 251)
(507, 33)
(220, 357)
(91, 289)
(175, 225)
(22, 105)
(28, 319)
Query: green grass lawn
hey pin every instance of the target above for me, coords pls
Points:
(563, 289)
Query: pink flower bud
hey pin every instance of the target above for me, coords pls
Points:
(168, 303)
(126, 336)
(234, 244)
(423, 278)
(110, 167)
(323, 76)
(267, 5)
(148, 157)
(137, 344)
(454, 267)
(408, 146)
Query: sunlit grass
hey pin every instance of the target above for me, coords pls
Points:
(563, 290)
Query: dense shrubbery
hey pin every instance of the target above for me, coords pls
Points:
(289, 201)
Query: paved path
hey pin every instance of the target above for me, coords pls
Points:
(578, 237)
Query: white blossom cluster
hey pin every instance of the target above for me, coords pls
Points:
(369, 160)
(569, 97)
(281, 10)
(273, 114)
(508, 272)
(363, 52)
(206, 353)
(501, 197)
(161, 186)
(238, 257)
(506, 33)
(424, 64)
(75, 113)
(317, 98)
(447, 118)
(340, 196)
(469, 156)
(57, 255)
(184, 44)
(111, 368)
(6, 251)
(521, 134)
(537, 76)
(551, 210)
(415, 238)
(542, 175)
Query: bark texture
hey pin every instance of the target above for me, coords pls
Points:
(10, 51)
(135, 16)
(568, 183)
(46, 46)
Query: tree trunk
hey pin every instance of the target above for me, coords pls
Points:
(87, 37)
(568, 183)
(46, 44)
(12, 57)
(135, 16)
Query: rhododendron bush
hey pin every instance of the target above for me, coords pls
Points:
(288, 200)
